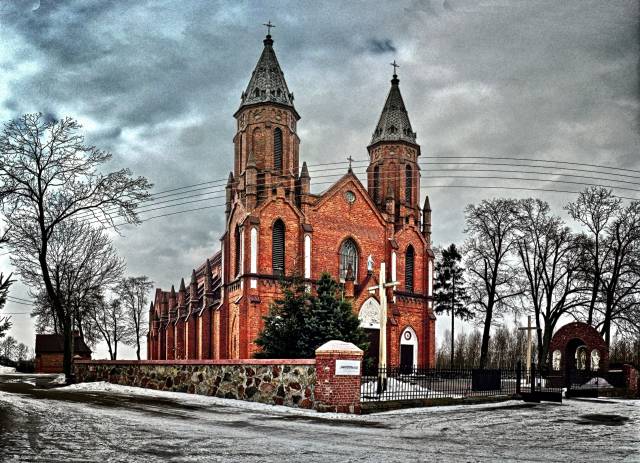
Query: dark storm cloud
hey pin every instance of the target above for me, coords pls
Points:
(381, 46)
(157, 83)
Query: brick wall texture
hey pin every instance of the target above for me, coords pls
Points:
(232, 290)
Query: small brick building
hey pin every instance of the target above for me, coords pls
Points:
(275, 226)
(50, 352)
(578, 347)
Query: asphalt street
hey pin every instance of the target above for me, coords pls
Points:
(40, 424)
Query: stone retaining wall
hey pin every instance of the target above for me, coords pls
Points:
(276, 382)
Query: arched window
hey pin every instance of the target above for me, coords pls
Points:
(408, 269)
(581, 358)
(376, 183)
(408, 184)
(277, 248)
(277, 150)
(595, 360)
(557, 359)
(236, 239)
(348, 258)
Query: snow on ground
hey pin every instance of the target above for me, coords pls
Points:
(60, 379)
(600, 383)
(396, 388)
(5, 370)
(106, 422)
(102, 386)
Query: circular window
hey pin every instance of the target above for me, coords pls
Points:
(407, 335)
(350, 196)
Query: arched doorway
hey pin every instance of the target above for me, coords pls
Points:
(408, 350)
(369, 316)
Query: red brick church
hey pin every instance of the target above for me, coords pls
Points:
(275, 226)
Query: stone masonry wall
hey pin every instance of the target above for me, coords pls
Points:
(287, 382)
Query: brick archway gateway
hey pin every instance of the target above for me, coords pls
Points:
(578, 346)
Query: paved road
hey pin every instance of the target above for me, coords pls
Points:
(69, 425)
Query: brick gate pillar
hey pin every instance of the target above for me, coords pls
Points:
(338, 374)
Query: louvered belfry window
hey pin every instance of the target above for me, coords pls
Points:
(348, 257)
(277, 248)
(408, 269)
(277, 149)
(408, 180)
(376, 183)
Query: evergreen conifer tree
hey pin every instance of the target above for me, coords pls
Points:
(450, 292)
(300, 322)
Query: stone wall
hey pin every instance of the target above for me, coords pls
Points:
(276, 382)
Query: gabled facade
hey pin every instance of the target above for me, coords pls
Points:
(275, 226)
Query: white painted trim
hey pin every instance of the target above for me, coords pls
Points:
(253, 265)
(307, 256)
(393, 266)
(411, 342)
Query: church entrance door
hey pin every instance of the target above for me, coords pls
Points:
(372, 354)
(406, 359)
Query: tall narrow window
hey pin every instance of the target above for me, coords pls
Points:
(348, 258)
(408, 184)
(408, 269)
(236, 238)
(376, 183)
(277, 248)
(277, 150)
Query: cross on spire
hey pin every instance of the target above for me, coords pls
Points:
(350, 159)
(395, 66)
(269, 26)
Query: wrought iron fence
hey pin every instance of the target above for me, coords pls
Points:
(402, 383)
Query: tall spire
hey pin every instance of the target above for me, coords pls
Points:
(267, 83)
(394, 124)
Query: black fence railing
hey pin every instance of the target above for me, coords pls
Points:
(402, 383)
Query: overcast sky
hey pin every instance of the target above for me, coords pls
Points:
(157, 83)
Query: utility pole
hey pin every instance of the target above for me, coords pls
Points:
(382, 348)
(453, 313)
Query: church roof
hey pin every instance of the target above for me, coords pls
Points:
(267, 84)
(394, 122)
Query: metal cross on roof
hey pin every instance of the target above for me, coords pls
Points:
(350, 159)
(269, 26)
(395, 66)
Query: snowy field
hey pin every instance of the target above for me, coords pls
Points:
(104, 422)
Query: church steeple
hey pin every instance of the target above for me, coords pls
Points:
(266, 142)
(393, 160)
(267, 83)
(394, 124)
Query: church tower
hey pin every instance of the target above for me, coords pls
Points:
(266, 142)
(393, 175)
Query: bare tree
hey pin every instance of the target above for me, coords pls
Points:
(49, 176)
(83, 264)
(491, 227)
(5, 322)
(22, 352)
(8, 347)
(548, 256)
(109, 318)
(133, 293)
(620, 278)
(595, 208)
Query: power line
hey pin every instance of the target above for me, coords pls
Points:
(186, 194)
(503, 158)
